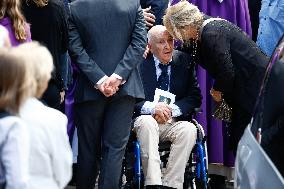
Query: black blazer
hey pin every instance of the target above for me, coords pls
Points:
(183, 83)
(234, 61)
(49, 27)
(107, 37)
(158, 8)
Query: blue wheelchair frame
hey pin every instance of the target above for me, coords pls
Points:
(201, 164)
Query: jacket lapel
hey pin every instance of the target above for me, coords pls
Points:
(174, 71)
(149, 77)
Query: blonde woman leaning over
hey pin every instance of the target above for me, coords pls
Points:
(50, 154)
(227, 53)
(15, 84)
(13, 20)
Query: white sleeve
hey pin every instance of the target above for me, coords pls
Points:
(148, 108)
(61, 153)
(15, 153)
(176, 110)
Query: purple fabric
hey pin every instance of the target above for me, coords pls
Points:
(69, 104)
(7, 23)
(235, 11)
(69, 109)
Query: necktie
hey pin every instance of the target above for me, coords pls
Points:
(163, 80)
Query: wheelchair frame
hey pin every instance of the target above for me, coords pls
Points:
(196, 172)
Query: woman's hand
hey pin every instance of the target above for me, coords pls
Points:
(216, 95)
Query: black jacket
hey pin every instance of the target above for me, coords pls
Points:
(49, 27)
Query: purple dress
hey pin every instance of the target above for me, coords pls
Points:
(7, 23)
(235, 11)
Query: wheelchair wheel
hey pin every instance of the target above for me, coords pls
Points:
(201, 179)
(189, 175)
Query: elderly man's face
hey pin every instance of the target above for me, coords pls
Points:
(162, 46)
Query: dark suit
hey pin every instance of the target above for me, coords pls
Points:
(105, 37)
(183, 83)
(158, 8)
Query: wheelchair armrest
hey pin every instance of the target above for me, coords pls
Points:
(197, 110)
(192, 114)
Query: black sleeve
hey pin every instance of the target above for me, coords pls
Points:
(64, 46)
(218, 52)
(64, 29)
(193, 97)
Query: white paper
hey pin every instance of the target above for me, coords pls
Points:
(164, 96)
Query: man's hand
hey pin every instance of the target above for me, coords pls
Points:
(113, 83)
(163, 113)
(159, 119)
(106, 90)
(149, 17)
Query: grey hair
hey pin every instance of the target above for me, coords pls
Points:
(180, 15)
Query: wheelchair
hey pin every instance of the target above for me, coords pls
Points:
(196, 172)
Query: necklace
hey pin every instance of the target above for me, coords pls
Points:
(194, 49)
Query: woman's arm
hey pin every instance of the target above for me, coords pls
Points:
(218, 50)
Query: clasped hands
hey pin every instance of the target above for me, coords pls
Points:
(110, 86)
(163, 113)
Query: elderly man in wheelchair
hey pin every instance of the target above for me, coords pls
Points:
(165, 118)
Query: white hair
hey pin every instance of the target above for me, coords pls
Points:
(154, 32)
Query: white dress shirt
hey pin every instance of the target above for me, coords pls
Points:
(149, 107)
(50, 153)
(14, 153)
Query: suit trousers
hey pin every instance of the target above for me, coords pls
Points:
(182, 134)
(103, 132)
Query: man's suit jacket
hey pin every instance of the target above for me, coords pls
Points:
(107, 37)
(183, 83)
(158, 8)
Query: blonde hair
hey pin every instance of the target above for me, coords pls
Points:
(40, 60)
(180, 15)
(15, 81)
(39, 3)
(12, 9)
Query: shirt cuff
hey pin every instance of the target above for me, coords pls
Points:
(100, 81)
(175, 110)
(148, 108)
(118, 77)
